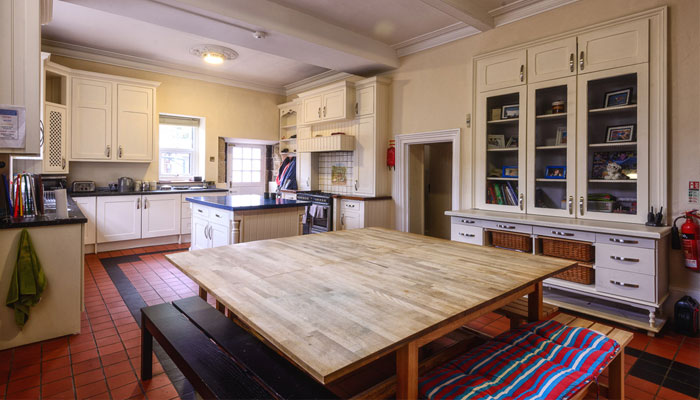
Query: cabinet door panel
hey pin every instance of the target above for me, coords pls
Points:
(364, 158)
(365, 102)
(351, 220)
(118, 218)
(613, 47)
(200, 237)
(134, 123)
(552, 60)
(87, 206)
(220, 235)
(311, 107)
(161, 215)
(91, 131)
(501, 71)
(334, 104)
(55, 159)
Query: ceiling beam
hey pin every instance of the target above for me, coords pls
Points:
(290, 33)
(470, 12)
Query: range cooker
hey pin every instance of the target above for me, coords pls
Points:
(319, 216)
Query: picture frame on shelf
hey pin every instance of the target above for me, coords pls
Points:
(510, 111)
(496, 141)
(562, 137)
(618, 98)
(512, 142)
(555, 172)
(509, 172)
(619, 133)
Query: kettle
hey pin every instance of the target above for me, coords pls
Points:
(126, 184)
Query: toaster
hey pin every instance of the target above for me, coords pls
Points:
(83, 186)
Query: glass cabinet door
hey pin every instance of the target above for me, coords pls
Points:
(501, 155)
(551, 147)
(613, 153)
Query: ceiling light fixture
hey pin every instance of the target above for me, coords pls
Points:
(213, 54)
(259, 34)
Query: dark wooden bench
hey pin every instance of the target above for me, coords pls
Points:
(218, 357)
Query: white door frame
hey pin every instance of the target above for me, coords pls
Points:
(402, 186)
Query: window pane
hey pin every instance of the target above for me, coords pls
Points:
(256, 154)
(246, 176)
(177, 137)
(236, 176)
(246, 152)
(176, 164)
(237, 152)
(247, 165)
(255, 177)
(237, 164)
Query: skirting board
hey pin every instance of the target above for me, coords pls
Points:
(132, 244)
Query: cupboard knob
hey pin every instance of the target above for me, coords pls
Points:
(571, 205)
(580, 61)
(580, 204)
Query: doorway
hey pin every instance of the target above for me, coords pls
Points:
(430, 187)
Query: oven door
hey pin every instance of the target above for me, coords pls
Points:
(320, 217)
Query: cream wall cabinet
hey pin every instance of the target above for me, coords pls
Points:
(311, 107)
(160, 215)
(331, 103)
(20, 66)
(552, 60)
(365, 101)
(88, 206)
(364, 158)
(501, 71)
(118, 218)
(55, 152)
(134, 123)
(613, 47)
(91, 133)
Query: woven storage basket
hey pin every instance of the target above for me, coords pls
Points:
(514, 241)
(581, 273)
(569, 249)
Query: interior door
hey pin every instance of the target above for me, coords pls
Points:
(311, 107)
(364, 158)
(118, 218)
(551, 60)
(91, 130)
(334, 104)
(134, 123)
(161, 215)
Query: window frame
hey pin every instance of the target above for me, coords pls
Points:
(196, 124)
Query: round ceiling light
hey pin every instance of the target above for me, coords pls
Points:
(213, 54)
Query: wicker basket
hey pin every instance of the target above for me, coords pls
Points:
(513, 241)
(569, 249)
(581, 273)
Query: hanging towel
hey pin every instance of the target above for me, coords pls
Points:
(28, 281)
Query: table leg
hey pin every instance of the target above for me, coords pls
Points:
(221, 307)
(616, 377)
(407, 372)
(534, 304)
(146, 350)
(202, 293)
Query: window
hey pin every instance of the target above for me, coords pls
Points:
(178, 145)
(246, 165)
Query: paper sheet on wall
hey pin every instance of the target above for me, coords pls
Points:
(12, 127)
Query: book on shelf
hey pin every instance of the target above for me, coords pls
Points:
(502, 194)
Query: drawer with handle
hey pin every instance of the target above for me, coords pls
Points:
(467, 234)
(351, 205)
(627, 284)
(623, 258)
(466, 221)
(507, 226)
(564, 234)
(200, 211)
(625, 241)
(219, 216)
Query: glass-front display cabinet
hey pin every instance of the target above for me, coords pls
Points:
(501, 127)
(551, 147)
(613, 153)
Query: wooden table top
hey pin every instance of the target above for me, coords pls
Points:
(335, 301)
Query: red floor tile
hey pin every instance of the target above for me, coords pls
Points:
(633, 393)
(121, 380)
(89, 377)
(93, 389)
(118, 368)
(86, 366)
(33, 393)
(641, 384)
(59, 386)
(163, 393)
(668, 394)
(114, 358)
(662, 349)
(127, 391)
(56, 374)
(83, 356)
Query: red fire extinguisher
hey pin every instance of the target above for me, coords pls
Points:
(690, 240)
(391, 155)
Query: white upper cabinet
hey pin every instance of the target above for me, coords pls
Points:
(501, 71)
(330, 103)
(55, 139)
(91, 131)
(364, 165)
(311, 107)
(334, 105)
(551, 60)
(364, 104)
(616, 46)
(20, 66)
(134, 123)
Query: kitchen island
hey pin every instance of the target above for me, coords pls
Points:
(223, 220)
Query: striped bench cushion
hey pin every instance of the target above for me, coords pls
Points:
(541, 360)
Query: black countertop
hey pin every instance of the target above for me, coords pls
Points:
(48, 219)
(148, 192)
(245, 202)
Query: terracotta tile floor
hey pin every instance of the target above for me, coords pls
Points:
(103, 361)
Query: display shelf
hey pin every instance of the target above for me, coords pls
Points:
(620, 144)
(503, 121)
(503, 149)
(550, 180)
(288, 126)
(555, 147)
(493, 178)
(612, 109)
(612, 180)
(551, 116)
(288, 140)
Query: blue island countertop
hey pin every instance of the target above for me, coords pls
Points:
(245, 202)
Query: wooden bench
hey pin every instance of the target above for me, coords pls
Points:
(218, 357)
(516, 311)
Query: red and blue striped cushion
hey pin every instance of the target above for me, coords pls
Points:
(541, 360)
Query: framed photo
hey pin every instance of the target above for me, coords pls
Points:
(620, 133)
(618, 98)
(496, 141)
(555, 172)
(510, 172)
(511, 111)
(512, 142)
(561, 136)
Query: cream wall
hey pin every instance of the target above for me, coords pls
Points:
(433, 90)
(229, 112)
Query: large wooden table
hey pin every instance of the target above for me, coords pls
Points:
(334, 302)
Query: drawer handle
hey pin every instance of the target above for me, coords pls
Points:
(560, 233)
(506, 226)
(466, 221)
(217, 215)
(199, 211)
(625, 241)
(616, 258)
(630, 285)
(467, 234)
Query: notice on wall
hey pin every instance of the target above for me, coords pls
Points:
(694, 192)
(12, 127)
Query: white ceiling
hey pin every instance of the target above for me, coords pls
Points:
(304, 37)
